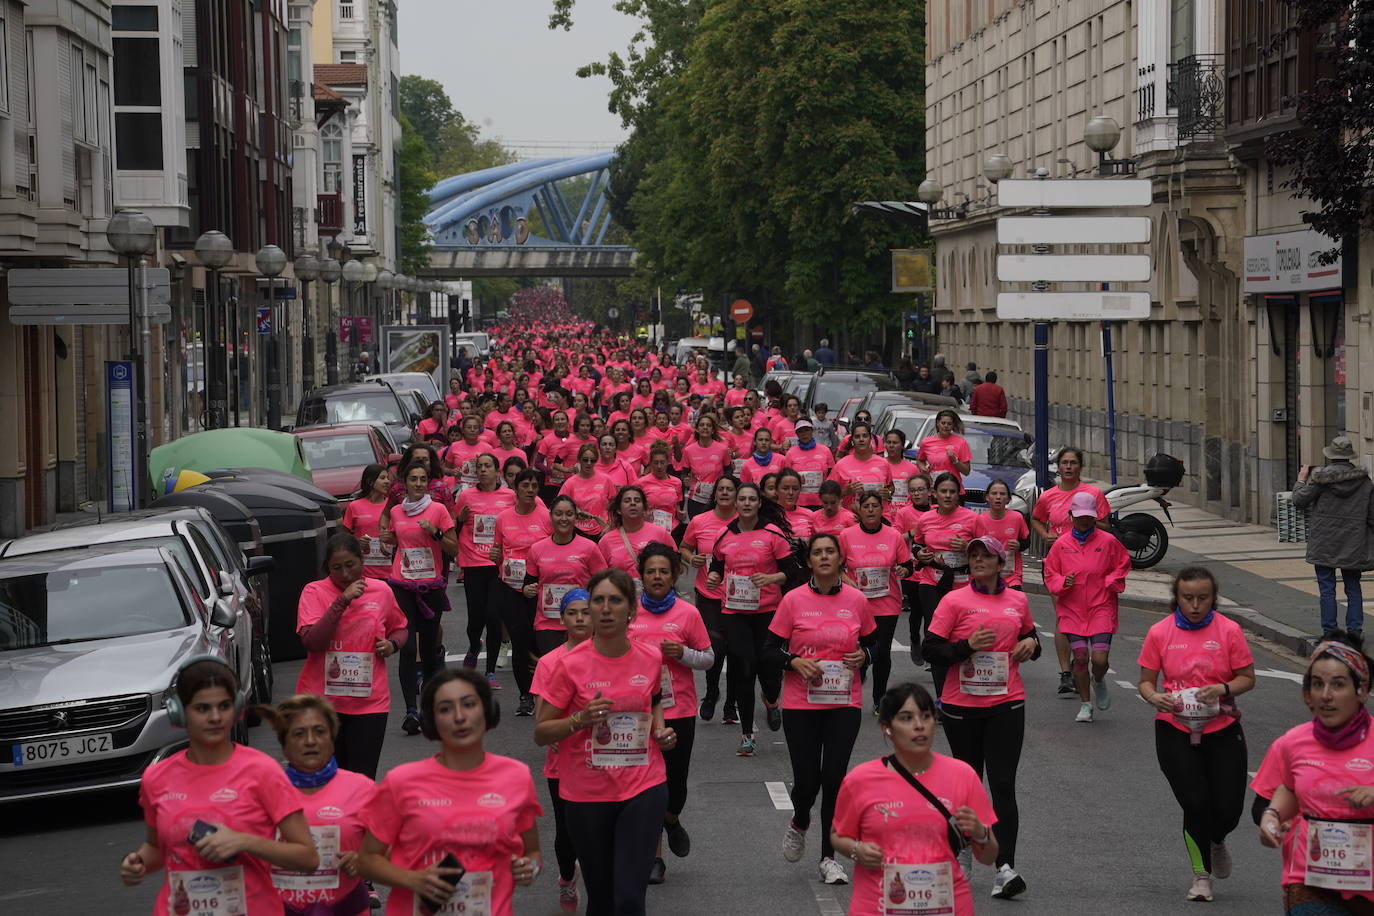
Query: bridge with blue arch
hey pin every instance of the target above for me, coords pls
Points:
(484, 223)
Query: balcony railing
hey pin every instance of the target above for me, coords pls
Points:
(331, 213)
(1197, 93)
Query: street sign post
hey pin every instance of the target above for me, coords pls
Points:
(1097, 268)
(1071, 193)
(1073, 230)
(1090, 306)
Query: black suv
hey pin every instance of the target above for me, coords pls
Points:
(835, 386)
(359, 402)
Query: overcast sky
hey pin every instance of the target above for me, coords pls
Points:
(505, 71)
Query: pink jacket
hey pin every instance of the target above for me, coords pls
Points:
(1100, 565)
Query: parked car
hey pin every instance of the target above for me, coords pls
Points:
(799, 384)
(910, 418)
(477, 342)
(90, 640)
(338, 453)
(357, 402)
(834, 387)
(422, 382)
(998, 447)
(876, 401)
(719, 352)
(781, 376)
(217, 567)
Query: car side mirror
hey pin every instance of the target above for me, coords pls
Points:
(222, 614)
(226, 584)
(261, 565)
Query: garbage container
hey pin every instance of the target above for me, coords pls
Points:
(333, 511)
(294, 534)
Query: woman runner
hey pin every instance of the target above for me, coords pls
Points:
(876, 560)
(477, 510)
(517, 530)
(697, 543)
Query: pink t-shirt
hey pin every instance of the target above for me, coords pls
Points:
(680, 623)
(515, 534)
(1316, 774)
(363, 519)
(559, 568)
(463, 457)
(752, 472)
(350, 673)
(333, 814)
(636, 455)
(700, 537)
(823, 627)
(1265, 784)
(902, 471)
(1100, 566)
(619, 472)
(479, 531)
(1195, 658)
(705, 465)
(874, 474)
(555, 451)
(933, 451)
(664, 496)
(744, 554)
(248, 793)
(424, 810)
(1052, 507)
(876, 805)
(904, 520)
(546, 663)
(989, 677)
(869, 560)
(742, 442)
(613, 550)
(935, 530)
(813, 464)
(419, 559)
(631, 681)
(593, 495)
(801, 521)
(822, 523)
(1010, 527)
(735, 396)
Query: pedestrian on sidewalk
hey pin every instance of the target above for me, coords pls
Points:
(1340, 531)
(988, 399)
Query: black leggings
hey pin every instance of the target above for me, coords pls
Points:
(1208, 780)
(615, 843)
(928, 597)
(745, 633)
(881, 652)
(563, 847)
(715, 628)
(477, 583)
(678, 760)
(819, 741)
(517, 613)
(358, 746)
(424, 637)
(993, 742)
(545, 641)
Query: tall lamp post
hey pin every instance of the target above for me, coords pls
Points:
(214, 250)
(307, 268)
(386, 282)
(132, 234)
(353, 276)
(330, 271)
(271, 262)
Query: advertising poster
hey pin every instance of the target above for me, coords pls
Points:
(417, 348)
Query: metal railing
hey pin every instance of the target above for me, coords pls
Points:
(1197, 93)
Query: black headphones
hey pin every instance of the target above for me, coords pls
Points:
(491, 710)
(176, 710)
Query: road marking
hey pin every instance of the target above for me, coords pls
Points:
(1251, 773)
(1125, 684)
(825, 900)
(899, 647)
(1293, 676)
(778, 793)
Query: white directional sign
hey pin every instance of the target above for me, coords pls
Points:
(86, 285)
(1093, 306)
(1071, 193)
(1073, 230)
(1116, 268)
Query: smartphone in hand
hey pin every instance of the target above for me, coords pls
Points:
(448, 861)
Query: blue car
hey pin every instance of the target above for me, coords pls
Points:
(998, 448)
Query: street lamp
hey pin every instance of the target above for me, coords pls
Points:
(214, 250)
(307, 268)
(132, 234)
(996, 167)
(353, 273)
(386, 282)
(271, 262)
(329, 275)
(1101, 136)
(929, 193)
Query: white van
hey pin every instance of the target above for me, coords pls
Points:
(476, 341)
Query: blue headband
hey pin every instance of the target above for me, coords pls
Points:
(576, 594)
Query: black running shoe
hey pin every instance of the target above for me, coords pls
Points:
(678, 840)
(656, 871)
(411, 723)
(729, 715)
(526, 707)
(707, 709)
(1066, 685)
(774, 714)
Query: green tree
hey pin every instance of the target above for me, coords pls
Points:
(429, 109)
(462, 149)
(415, 176)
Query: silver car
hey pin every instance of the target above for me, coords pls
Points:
(90, 639)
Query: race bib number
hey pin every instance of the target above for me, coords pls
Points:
(348, 674)
(918, 890)
(873, 581)
(832, 687)
(471, 897)
(324, 878)
(208, 892)
(899, 495)
(483, 529)
(1192, 712)
(871, 485)
(513, 572)
(701, 491)
(662, 518)
(811, 481)
(551, 599)
(984, 674)
(954, 558)
(736, 466)
(1338, 856)
(376, 553)
(417, 563)
(665, 687)
(741, 594)
(622, 740)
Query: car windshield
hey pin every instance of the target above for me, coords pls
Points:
(351, 408)
(78, 605)
(993, 449)
(328, 452)
(834, 391)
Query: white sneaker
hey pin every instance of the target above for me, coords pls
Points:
(1006, 884)
(1100, 694)
(1202, 887)
(503, 659)
(1221, 861)
(1085, 713)
(793, 843)
(966, 862)
(831, 872)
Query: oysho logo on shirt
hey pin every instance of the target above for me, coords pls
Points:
(435, 802)
(329, 812)
(1176, 646)
(1309, 762)
(639, 680)
(596, 685)
(492, 800)
(172, 796)
(225, 794)
(888, 809)
(1359, 765)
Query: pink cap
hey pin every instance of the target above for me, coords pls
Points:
(1082, 504)
(993, 545)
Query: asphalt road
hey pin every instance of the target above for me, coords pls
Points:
(1100, 829)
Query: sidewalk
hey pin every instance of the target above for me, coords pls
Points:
(1267, 587)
